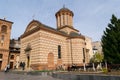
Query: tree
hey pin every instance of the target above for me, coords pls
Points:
(111, 41)
(97, 58)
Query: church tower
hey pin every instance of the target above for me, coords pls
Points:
(5, 31)
(64, 19)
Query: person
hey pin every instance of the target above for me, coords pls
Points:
(7, 68)
(23, 65)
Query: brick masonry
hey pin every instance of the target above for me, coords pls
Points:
(39, 44)
(5, 31)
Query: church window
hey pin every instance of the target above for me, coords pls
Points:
(83, 54)
(4, 29)
(59, 51)
(1, 55)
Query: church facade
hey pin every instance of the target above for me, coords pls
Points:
(46, 48)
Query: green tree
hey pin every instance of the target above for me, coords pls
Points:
(111, 41)
(97, 58)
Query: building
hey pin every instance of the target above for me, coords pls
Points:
(46, 48)
(14, 53)
(89, 50)
(5, 32)
(97, 47)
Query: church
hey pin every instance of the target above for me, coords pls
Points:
(5, 31)
(46, 48)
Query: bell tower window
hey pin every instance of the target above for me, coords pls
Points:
(4, 29)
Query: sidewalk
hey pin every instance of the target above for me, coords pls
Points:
(14, 76)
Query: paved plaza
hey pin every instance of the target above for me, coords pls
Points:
(13, 76)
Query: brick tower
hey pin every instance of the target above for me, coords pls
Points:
(5, 31)
(64, 18)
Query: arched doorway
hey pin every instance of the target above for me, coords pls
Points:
(50, 61)
(28, 60)
(28, 52)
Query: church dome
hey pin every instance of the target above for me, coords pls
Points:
(64, 9)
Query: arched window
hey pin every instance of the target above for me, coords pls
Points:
(4, 29)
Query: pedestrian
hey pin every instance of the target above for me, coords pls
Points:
(7, 68)
(23, 65)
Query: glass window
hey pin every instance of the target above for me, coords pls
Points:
(59, 51)
(83, 54)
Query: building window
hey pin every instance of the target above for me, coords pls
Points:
(1, 55)
(12, 57)
(83, 54)
(4, 29)
(59, 52)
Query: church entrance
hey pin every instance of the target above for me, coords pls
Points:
(28, 61)
(28, 52)
(50, 61)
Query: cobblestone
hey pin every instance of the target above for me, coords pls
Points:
(13, 76)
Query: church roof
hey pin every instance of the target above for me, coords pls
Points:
(47, 28)
(6, 21)
(64, 9)
(74, 34)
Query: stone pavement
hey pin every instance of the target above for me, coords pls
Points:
(13, 76)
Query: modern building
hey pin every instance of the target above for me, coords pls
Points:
(46, 48)
(89, 50)
(5, 32)
(97, 47)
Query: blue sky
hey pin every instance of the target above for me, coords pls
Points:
(91, 17)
